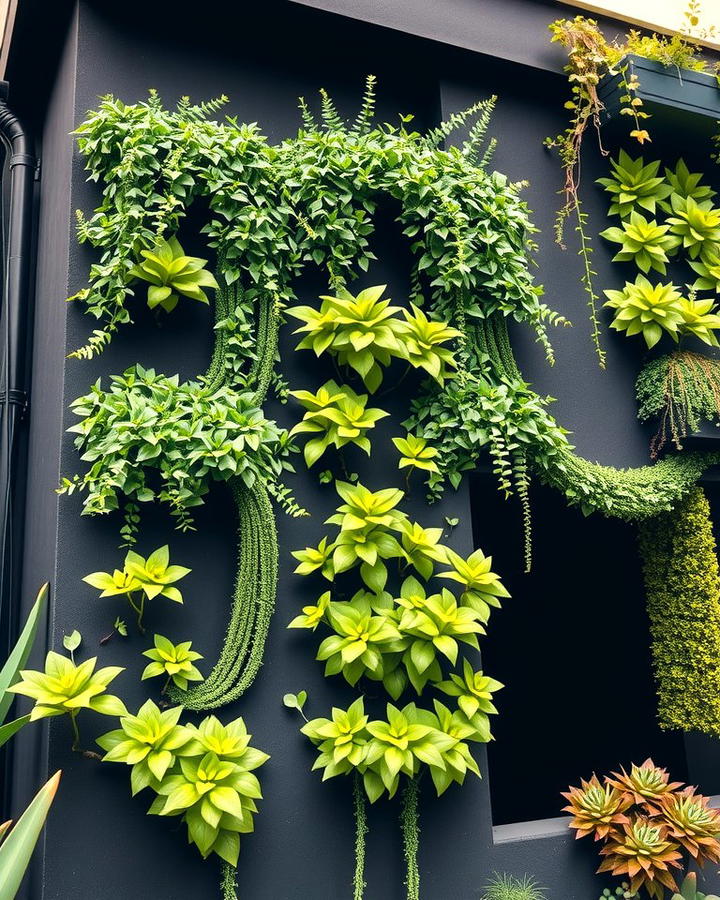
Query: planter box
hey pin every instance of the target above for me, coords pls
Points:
(679, 89)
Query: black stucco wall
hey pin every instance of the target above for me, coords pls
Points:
(99, 845)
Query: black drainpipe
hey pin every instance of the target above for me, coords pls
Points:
(19, 173)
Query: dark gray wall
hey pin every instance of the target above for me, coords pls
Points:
(99, 843)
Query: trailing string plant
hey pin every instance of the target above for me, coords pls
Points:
(648, 827)
(592, 58)
(682, 582)
(681, 390)
(404, 633)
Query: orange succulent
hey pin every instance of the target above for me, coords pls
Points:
(645, 783)
(692, 823)
(642, 852)
(596, 808)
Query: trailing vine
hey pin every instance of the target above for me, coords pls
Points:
(682, 390)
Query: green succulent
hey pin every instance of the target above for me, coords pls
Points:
(341, 740)
(313, 559)
(474, 692)
(439, 624)
(149, 578)
(150, 742)
(689, 890)
(422, 547)
(366, 519)
(359, 331)
(172, 274)
(415, 453)
(66, 688)
(647, 244)
(175, 661)
(481, 586)
(356, 647)
(634, 184)
(647, 309)
(313, 614)
(685, 183)
(700, 320)
(337, 416)
(696, 225)
(708, 269)
(421, 340)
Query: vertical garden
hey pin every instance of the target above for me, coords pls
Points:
(310, 561)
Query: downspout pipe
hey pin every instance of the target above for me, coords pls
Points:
(19, 172)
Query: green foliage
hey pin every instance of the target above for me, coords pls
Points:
(338, 416)
(202, 773)
(682, 390)
(685, 184)
(17, 845)
(64, 688)
(634, 184)
(365, 333)
(172, 274)
(622, 892)
(696, 224)
(148, 423)
(140, 580)
(415, 453)
(295, 701)
(689, 890)
(647, 309)
(682, 582)
(175, 661)
(508, 887)
(643, 242)
(11, 670)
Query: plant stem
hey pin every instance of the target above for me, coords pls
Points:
(411, 837)
(139, 611)
(76, 731)
(361, 829)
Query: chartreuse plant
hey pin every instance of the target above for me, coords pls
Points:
(695, 224)
(405, 633)
(202, 773)
(171, 273)
(415, 453)
(336, 416)
(365, 333)
(648, 828)
(174, 661)
(141, 580)
(642, 242)
(65, 688)
(634, 184)
(508, 887)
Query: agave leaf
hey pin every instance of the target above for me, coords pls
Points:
(17, 659)
(11, 728)
(17, 849)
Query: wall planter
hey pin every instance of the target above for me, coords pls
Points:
(667, 86)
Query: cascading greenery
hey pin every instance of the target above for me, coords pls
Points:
(683, 592)
(682, 390)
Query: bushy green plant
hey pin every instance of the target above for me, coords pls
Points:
(171, 273)
(695, 224)
(685, 183)
(141, 579)
(336, 416)
(642, 242)
(202, 773)
(508, 887)
(175, 661)
(149, 422)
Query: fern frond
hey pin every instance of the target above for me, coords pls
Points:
(330, 115)
(436, 136)
(476, 139)
(308, 119)
(367, 110)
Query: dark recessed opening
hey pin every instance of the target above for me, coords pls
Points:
(572, 648)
